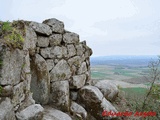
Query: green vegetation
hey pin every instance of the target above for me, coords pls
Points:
(135, 91)
(112, 72)
(6, 27)
(141, 99)
(155, 92)
(12, 36)
(97, 75)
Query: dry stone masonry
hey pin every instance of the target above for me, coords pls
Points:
(49, 78)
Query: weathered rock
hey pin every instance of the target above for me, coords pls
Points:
(11, 67)
(74, 70)
(46, 52)
(64, 51)
(26, 72)
(78, 111)
(7, 91)
(71, 50)
(78, 81)
(80, 49)
(56, 25)
(76, 61)
(92, 100)
(57, 52)
(88, 52)
(18, 94)
(6, 110)
(88, 62)
(50, 64)
(82, 69)
(55, 39)
(41, 28)
(61, 71)
(88, 79)
(53, 114)
(83, 43)
(60, 95)
(71, 38)
(30, 40)
(40, 83)
(106, 105)
(42, 41)
(109, 89)
(73, 95)
(33, 112)
(27, 102)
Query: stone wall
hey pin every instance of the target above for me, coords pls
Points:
(52, 68)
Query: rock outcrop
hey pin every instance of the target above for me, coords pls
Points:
(51, 68)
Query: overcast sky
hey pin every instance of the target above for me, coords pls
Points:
(110, 27)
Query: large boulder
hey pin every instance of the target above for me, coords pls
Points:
(41, 28)
(71, 50)
(108, 88)
(57, 51)
(71, 38)
(60, 95)
(80, 49)
(83, 68)
(54, 114)
(11, 64)
(76, 61)
(30, 40)
(33, 112)
(56, 25)
(61, 71)
(55, 39)
(6, 109)
(92, 100)
(78, 81)
(42, 41)
(46, 52)
(40, 83)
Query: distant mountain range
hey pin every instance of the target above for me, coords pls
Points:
(128, 60)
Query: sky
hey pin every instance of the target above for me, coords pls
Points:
(110, 27)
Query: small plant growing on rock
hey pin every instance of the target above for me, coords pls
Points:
(14, 39)
(6, 27)
(11, 35)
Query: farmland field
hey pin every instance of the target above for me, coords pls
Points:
(129, 69)
(122, 73)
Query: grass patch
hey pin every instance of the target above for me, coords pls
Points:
(98, 75)
(135, 90)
